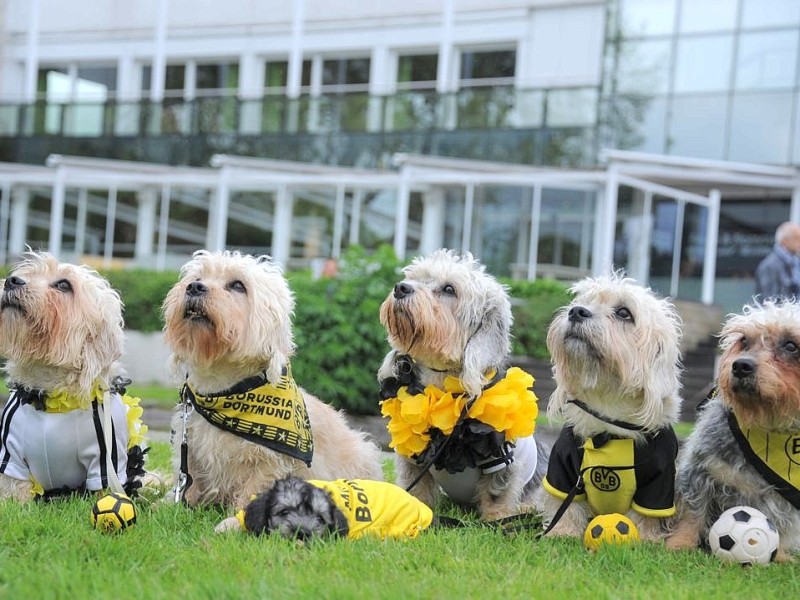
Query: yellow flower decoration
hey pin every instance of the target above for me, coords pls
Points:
(509, 406)
(136, 429)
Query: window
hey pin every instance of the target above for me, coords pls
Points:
(698, 126)
(174, 79)
(345, 71)
(704, 64)
(708, 15)
(485, 65)
(760, 132)
(647, 17)
(766, 60)
(642, 67)
(276, 74)
(775, 13)
(218, 78)
(95, 83)
(417, 71)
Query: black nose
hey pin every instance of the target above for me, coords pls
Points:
(577, 314)
(13, 282)
(743, 367)
(196, 288)
(403, 289)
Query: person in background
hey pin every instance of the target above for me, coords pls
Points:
(778, 274)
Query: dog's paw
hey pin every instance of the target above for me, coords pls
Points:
(229, 524)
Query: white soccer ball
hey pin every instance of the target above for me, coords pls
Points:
(745, 535)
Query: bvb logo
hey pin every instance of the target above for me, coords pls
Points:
(604, 479)
(792, 449)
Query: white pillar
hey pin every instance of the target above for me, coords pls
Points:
(338, 222)
(80, 221)
(5, 209)
(158, 72)
(433, 220)
(710, 259)
(379, 86)
(536, 217)
(606, 225)
(295, 70)
(794, 208)
(32, 52)
(217, 231)
(251, 86)
(18, 229)
(145, 224)
(444, 74)
(111, 218)
(401, 217)
(469, 202)
(282, 225)
(57, 213)
(355, 216)
(677, 248)
(163, 227)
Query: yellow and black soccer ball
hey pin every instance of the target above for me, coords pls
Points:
(612, 528)
(113, 512)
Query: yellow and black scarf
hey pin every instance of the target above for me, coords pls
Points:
(273, 415)
(776, 457)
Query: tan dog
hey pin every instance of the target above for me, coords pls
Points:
(61, 331)
(745, 447)
(449, 326)
(616, 362)
(228, 322)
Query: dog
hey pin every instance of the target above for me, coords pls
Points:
(350, 508)
(448, 323)
(244, 422)
(61, 331)
(745, 446)
(615, 351)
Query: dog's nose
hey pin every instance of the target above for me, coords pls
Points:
(743, 367)
(13, 282)
(577, 314)
(196, 288)
(403, 289)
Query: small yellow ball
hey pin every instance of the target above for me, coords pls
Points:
(613, 528)
(113, 512)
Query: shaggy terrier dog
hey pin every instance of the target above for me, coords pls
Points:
(457, 419)
(243, 422)
(65, 426)
(301, 510)
(745, 448)
(616, 363)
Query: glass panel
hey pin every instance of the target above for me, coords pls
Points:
(220, 77)
(276, 74)
(95, 83)
(565, 233)
(529, 108)
(342, 112)
(412, 110)
(345, 71)
(414, 231)
(766, 60)
(378, 216)
(697, 126)
(217, 115)
(54, 85)
(174, 79)
(647, 17)
(778, 13)
(417, 70)
(480, 65)
(642, 67)
(690, 278)
(84, 119)
(760, 132)
(571, 108)
(746, 235)
(707, 15)
(703, 64)
(250, 222)
(454, 217)
(500, 220)
(9, 119)
(662, 244)
(636, 122)
(629, 227)
(485, 107)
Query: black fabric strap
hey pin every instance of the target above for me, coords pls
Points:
(622, 424)
(5, 427)
(101, 444)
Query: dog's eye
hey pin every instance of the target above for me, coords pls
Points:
(237, 286)
(623, 314)
(62, 285)
(449, 290)
(284, 512)
(791, 347)
(744, 343)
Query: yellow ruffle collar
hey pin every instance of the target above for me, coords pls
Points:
(509, 406)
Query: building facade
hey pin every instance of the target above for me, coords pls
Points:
(540, 83)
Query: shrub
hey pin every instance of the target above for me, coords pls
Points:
(534, 304)
(142, 292)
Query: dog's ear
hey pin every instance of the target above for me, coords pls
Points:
(488, 345)
(337, 522)
(257, 513)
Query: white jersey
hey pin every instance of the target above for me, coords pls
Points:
(62, 450)
(462, 486)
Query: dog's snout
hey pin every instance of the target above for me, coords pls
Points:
(196, 288)
(13, 282)
(579, 313)
(743, 367)
(403, 289)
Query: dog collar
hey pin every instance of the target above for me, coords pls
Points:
(274, 416)
(621, 424)
(776, 456)
(508, 406)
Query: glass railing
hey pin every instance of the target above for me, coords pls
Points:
(354, 112)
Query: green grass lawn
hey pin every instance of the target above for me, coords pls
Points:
(50, 551)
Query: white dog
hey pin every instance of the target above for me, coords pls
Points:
(228, 322)
(455, 421)
(616, 362)
(65, 426)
